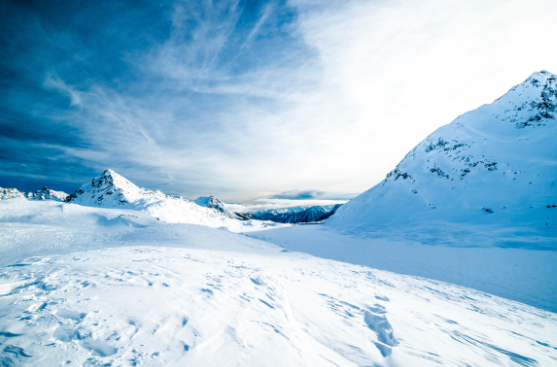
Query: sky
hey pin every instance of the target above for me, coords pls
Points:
(301, 99)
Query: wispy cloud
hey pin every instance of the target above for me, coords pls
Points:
(245, 100)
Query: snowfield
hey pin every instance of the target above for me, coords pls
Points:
(91, 286)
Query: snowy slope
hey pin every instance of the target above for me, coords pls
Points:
(159, 294)
(111, 190)
(47, 194)
(492, 172)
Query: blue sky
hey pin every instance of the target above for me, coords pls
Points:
(247, 99)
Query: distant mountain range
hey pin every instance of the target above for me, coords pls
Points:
(111, 190)
(44, 194)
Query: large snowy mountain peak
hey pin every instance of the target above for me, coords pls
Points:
(493, 166)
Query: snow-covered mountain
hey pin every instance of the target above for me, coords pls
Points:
(112, 190)
(494, 167)
(47, 194)
(44, 194)
(9, 194)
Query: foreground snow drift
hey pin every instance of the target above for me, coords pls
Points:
(158, 306)
(159, 294)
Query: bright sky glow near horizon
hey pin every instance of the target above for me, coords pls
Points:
(242, 100)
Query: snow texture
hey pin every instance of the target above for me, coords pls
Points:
(89, 286)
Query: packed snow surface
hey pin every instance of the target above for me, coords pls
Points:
(523, 274)
(92, 286)
(489, 177)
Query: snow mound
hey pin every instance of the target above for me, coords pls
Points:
(491, 171)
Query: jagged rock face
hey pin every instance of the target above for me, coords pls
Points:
(9, 194)
(47, 194)
(496, 164)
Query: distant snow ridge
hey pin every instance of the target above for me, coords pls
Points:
(297, 214)
(8, 194)
(496, 165)
(47, 194)
(44, 194)
(292, 214)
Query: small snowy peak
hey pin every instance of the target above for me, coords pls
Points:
(47, 194)
(210, 202)
(492, 166)
(112, 190)
(10, 193)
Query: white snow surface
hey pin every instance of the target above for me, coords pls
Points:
(520, 274)
(92, 286)
(487, 178)
(111, 190)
